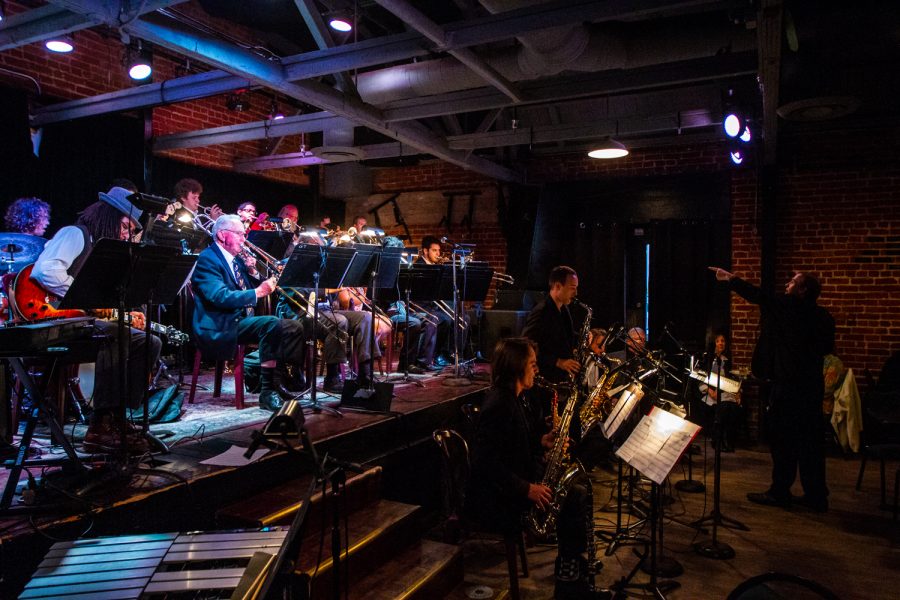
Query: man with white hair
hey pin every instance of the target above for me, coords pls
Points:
(225, 300)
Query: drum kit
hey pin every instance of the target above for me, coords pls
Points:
(17, 250)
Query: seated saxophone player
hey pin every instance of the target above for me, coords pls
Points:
(508, 468)
(113, 216)
(226, 288)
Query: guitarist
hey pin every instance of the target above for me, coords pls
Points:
(112, 216)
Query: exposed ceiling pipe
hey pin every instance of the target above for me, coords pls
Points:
(607, 47)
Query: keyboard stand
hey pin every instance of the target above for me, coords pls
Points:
(40, 409)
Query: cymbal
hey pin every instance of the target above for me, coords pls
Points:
(20, 249)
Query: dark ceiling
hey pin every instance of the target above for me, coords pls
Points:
(484, 83)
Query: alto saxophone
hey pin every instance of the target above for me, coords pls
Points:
(558, 475)
(599, 405)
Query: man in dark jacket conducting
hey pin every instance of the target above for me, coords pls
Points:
(795, 335)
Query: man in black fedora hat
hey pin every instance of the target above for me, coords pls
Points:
(112, 216)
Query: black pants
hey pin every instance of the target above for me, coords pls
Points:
(107, 394)
(264, 330)
(797, 441)
(576, 519)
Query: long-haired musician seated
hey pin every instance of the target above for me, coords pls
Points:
(508, 467)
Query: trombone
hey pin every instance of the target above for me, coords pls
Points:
(274, 267)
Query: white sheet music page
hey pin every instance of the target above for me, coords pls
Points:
(622, 409)
(657, 443)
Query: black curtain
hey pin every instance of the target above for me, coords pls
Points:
(18, 166)
(601, 229)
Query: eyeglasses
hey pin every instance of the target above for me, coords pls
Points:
(249, 210)
(237, 232)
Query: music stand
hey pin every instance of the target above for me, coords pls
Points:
(311, 266)
(654, 448)
(121, 274)
(418, 281)
(271, 242)
(713, 548)
(174, 277)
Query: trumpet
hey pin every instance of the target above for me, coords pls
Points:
(274, 267)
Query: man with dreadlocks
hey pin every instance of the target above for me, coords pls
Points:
(112, 216)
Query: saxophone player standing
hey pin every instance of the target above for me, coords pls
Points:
(550, 325)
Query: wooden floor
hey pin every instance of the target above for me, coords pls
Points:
(854, 549)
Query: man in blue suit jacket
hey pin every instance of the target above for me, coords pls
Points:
(225, 301)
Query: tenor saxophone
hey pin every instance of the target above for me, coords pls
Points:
(558, 475)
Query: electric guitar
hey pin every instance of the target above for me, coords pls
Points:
(32, 303)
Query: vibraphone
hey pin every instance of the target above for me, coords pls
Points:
(163, 565)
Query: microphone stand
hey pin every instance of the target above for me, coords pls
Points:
(689, 485)
(456, 380)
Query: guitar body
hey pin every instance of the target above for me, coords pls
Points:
(33, 303)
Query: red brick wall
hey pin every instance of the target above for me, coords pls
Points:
(96, 67)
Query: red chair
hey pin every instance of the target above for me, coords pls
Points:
(220, 370)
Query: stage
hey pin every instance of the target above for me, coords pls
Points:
(175, 492)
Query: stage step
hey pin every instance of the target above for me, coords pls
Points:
(424, 571)
(278, 505)
(377, 533)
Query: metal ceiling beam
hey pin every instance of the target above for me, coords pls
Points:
(409, 14)
(637, 126)
(583, 86)
(314, 122)
(348, 57)
(270, 74)
(243, 132)
(56, 19)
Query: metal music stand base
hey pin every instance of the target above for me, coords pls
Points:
(405, 378)
(721, 520)
(714, 549)
(690, 486)
(666, 567)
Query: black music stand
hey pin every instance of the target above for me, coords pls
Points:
(174, 277)
(312, 266)
(475, 284)
(714, 548)
(418, 281)
(123, 275)
(654, 448)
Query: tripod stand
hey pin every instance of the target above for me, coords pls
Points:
(713, 548)
(407, 348)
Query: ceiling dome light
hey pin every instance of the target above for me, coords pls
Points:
(341, 24)
(609, 149)
(61, 45)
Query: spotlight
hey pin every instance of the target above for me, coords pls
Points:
(140, 66)
(2, 10)
(341, 24)
(62, 44)
(734, 125)
(745, 137)
(737, 156)
(609, 149)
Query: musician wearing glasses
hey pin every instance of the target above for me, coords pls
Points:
(509, 463)
(112, 216)
(247, 213)
(226, 288)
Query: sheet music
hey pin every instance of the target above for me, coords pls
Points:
(622, 409)
(657, 443)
